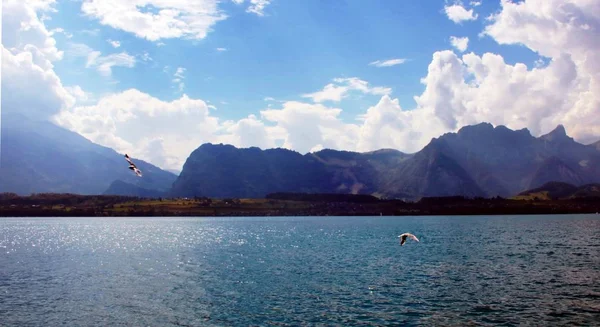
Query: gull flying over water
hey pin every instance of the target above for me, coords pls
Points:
(133, 167)
(404, 236)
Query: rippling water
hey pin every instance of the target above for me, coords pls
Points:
(530, 270)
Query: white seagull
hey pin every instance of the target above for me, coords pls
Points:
(404, 236)
(133, 167)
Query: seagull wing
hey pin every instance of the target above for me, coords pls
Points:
(128, 160)
(405, 235)
(132, 166)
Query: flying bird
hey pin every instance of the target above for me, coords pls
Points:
(404, 236)
(133, 167)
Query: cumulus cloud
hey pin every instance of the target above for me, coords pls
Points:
(567, 33)
(79, 94)
(460, 43)
(22, 30)
(304, 125)
(157, 19)
(458, 14)
(340, 88)
(30, 89)
(29, 84)
(472, 89)
(250, 131)
(387, 125)
(137, 123)
(387, 63)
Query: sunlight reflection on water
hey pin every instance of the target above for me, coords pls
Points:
(294, 270)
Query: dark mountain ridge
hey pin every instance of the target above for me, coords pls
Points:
(478, 160)
(561, 191)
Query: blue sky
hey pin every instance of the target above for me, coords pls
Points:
(160, 78)
(295, 48)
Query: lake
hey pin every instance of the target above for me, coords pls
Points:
(290, 271)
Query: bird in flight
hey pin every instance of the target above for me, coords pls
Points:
(133, 167)
(406, 235)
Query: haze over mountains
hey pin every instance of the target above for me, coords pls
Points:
(478, 160)
(39, 157)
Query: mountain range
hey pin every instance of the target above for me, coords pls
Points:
(478, 160)
(41, 157)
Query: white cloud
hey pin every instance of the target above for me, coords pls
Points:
(387, 63)
(115, 44)
(29, 84)
(22, 30)
(342, 86)
(60, 30)
(460, 43)
(179, 72)
(258, 6)
(458, 14)
(178, 78)
(146, 56)
(157, 19)
(475, 3)
(566, 32)
(143, 126)
(103, 64)
(91, 32)
(303, 125)
(79, 94)
(139, 124)
(221, 49)
(496, 92)
(31, 89)
(386, 125)
(249, 132)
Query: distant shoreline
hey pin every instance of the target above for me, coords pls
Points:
(71, 205)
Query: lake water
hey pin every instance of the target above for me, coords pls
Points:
(290, 271)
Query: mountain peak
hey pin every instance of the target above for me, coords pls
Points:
(477, 128)
(559, 130)
(558, 134)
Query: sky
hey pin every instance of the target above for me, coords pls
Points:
(158, 78)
